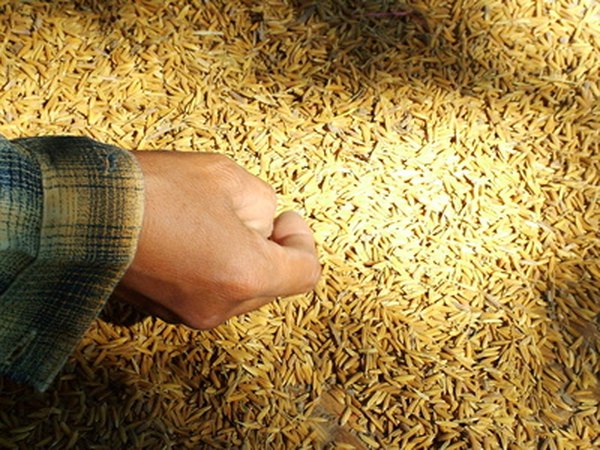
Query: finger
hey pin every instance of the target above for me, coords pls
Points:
(253, 200)
(290, 230)
(255, 205)
(293, 264)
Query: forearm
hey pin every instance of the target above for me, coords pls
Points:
(70, 215)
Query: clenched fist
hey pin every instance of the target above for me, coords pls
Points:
(210, 246)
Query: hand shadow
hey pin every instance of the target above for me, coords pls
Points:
(119, 312)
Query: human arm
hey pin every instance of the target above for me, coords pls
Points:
(70, 217)
(210, 246)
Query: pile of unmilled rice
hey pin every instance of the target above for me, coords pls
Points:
(446, 154)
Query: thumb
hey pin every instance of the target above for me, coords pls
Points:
(291, 230)
(293, 255)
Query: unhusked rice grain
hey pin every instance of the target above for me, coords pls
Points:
(446, 154)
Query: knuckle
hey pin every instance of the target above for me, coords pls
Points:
(240, 180)
(270, 194)
(230, 175)
(224, 165)
(222, 160)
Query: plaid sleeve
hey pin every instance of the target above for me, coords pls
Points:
(70, 216)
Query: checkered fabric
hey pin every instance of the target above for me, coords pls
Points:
(70, 215)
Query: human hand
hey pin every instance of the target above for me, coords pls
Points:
(210, 247)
